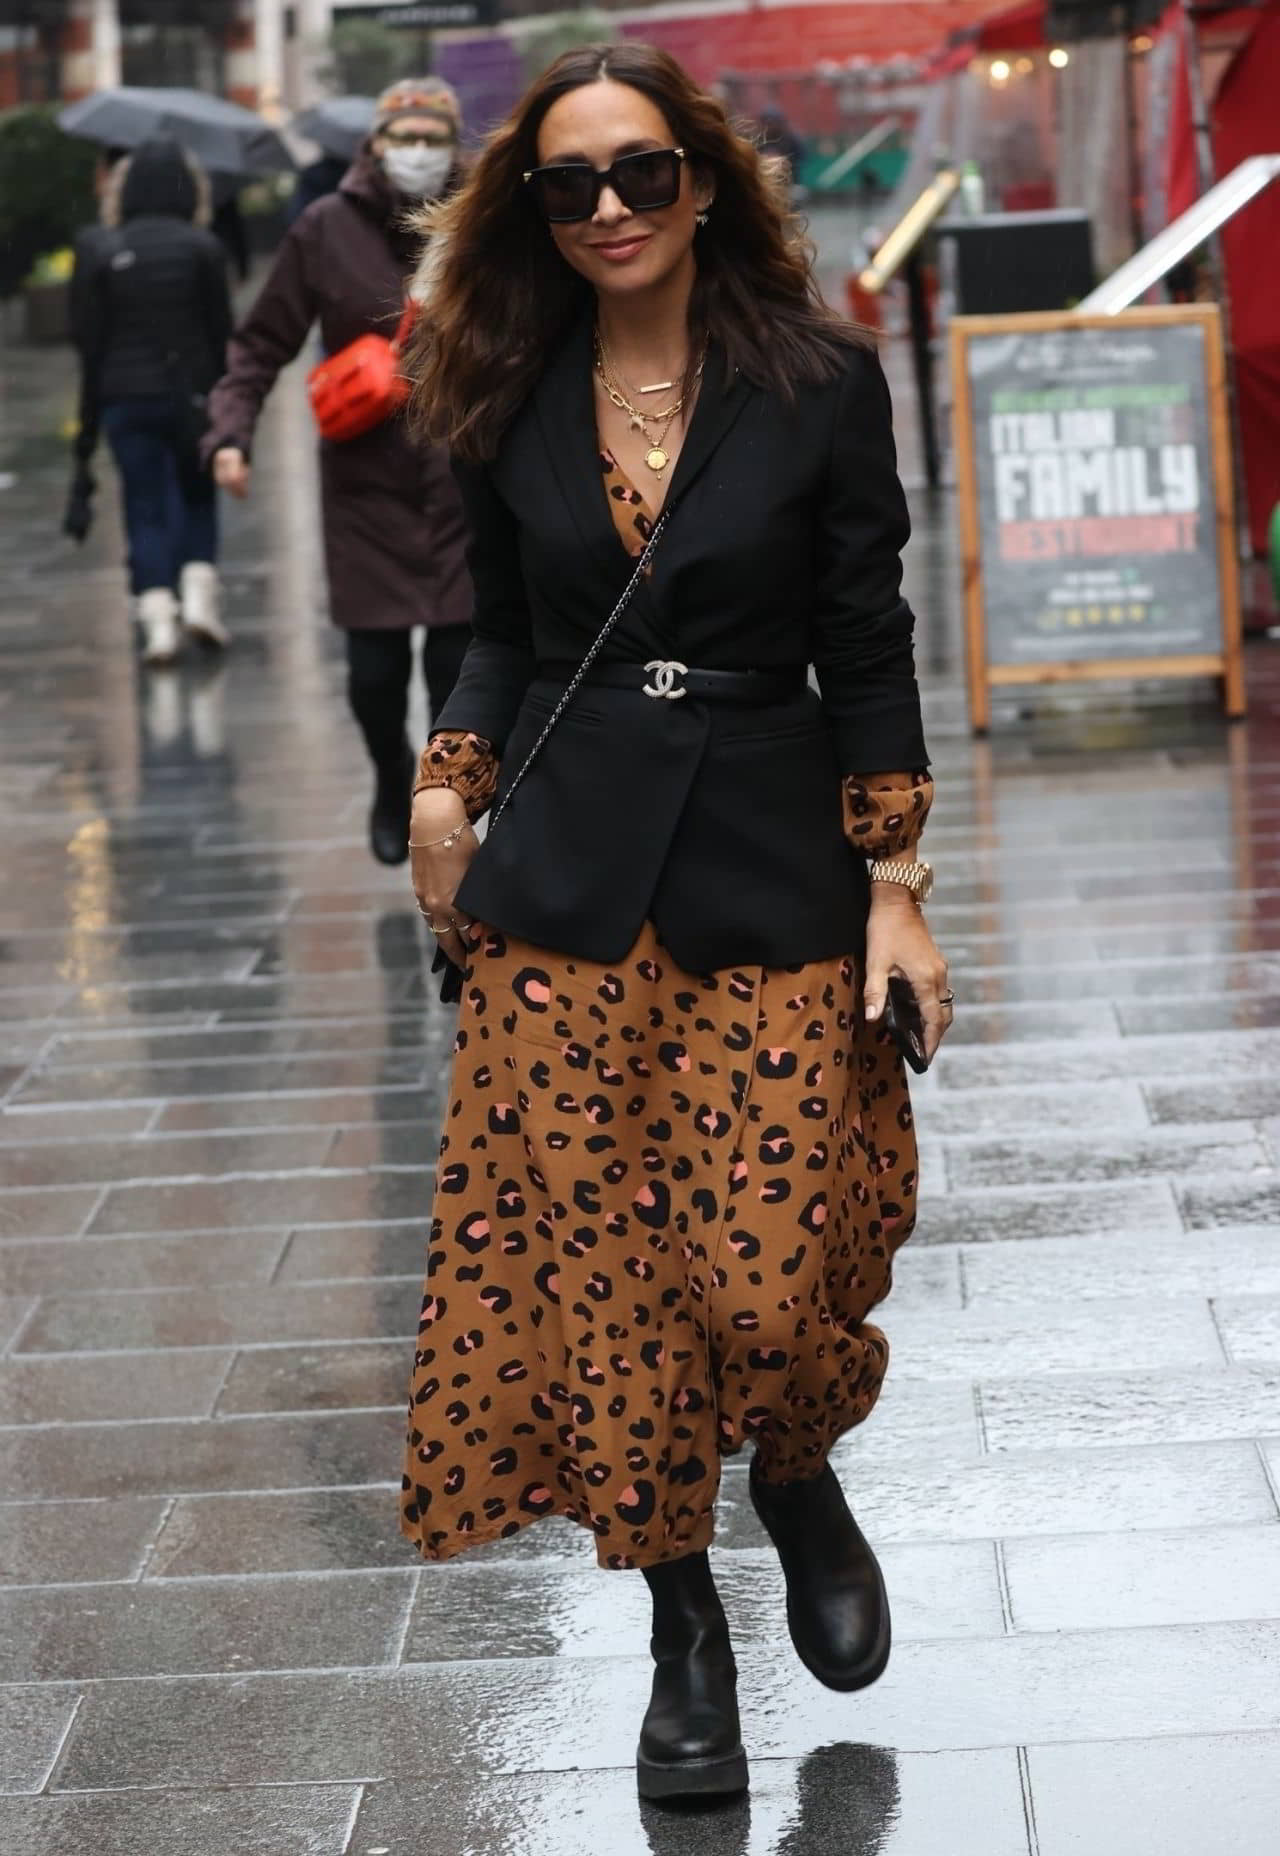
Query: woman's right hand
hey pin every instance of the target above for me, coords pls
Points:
(231, 470)
(438, 868)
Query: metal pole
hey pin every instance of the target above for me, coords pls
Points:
(922, 366)
(1206, 175)
(1131, 130)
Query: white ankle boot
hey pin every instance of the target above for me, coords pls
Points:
(158, 618)
(201, 600)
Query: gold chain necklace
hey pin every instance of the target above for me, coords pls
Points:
(657, 457)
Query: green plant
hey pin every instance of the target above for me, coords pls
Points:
(365, 56)
(553, 33)
(46, 191)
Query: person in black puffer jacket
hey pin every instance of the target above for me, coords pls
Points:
(151, 315)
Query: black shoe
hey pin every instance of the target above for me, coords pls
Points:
(690, 1743)
(392, 803)
(837, 1607)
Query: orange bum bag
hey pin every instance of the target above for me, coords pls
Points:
(361, 386)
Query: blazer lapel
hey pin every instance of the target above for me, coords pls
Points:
(720, 403)
(564, 400)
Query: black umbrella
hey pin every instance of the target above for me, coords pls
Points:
(223, 137)
(340, 125)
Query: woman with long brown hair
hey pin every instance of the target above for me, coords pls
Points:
(678, 1153)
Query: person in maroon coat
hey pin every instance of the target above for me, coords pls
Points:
(394, 532)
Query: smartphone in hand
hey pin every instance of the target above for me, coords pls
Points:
(902, 1017)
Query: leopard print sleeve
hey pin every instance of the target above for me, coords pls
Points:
(466, 763)
(885, 813)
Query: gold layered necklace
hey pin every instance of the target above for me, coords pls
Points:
(657, 457)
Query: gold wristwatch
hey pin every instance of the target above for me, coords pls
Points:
(918, 878)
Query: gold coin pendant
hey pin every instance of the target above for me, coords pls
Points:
(657, 460)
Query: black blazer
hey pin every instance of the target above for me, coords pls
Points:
(722, 824)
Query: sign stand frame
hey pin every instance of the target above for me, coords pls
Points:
(1226, 664)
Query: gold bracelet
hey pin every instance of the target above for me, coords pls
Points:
(436, 844)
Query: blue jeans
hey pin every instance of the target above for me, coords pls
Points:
(170, 503)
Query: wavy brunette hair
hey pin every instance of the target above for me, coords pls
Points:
(499, 297)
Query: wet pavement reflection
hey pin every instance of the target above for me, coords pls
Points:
(222, 1069)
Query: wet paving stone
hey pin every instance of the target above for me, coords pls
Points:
(66, 1543)
(325, 1449)
(92, 1387)
(542, 1608)
(1008, 1214)
(303, 1820)
(222, 1316)
(102, 1161)
(1178, 1796)
(1252, 1013)
(333, 1378)
(1128, 1581)
(58, 1212)
(1148, 1058)
(19, 1128)
(281, 1198)
(1250, 1329)
(288, 1729)
(1224, 1261)
(198, 1626)
(840, 1800)
(1064, 1412)
(1104, 1158)
(1254, 1200)
(981, 1344)
(33, 1726)
(281, 1110)
(114, 1264)
(1191, 1101)
(1048, 1492)
(1033, 1112)
(328, 1253)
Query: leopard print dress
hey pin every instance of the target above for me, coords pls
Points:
(666, 1205)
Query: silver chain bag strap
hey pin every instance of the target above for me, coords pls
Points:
(575, 682)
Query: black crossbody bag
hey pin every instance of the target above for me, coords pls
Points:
(451, 977)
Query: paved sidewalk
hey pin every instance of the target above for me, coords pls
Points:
(221, 1072)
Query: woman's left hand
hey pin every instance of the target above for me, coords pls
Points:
(899, 942)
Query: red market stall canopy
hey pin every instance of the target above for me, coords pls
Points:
(775, 36)
(1018, 28)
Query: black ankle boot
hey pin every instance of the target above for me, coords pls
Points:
(837, 1607)
(392, 802)
(690, 1743)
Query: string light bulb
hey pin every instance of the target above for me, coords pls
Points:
(1059, 58)
(999, 71)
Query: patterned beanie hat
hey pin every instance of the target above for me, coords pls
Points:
(418, 96)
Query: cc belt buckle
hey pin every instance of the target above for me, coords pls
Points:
(663, 673)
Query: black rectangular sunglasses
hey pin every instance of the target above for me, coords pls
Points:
(570, 190)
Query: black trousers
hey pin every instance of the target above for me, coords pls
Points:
(379, 671)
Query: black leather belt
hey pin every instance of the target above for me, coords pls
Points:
(667, 680)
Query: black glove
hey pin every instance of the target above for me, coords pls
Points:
(78, 519)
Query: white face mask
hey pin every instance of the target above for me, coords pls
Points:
(418, 171)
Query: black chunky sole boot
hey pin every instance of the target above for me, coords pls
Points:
(691, 1742)
(837, 1606)
(392, 803)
